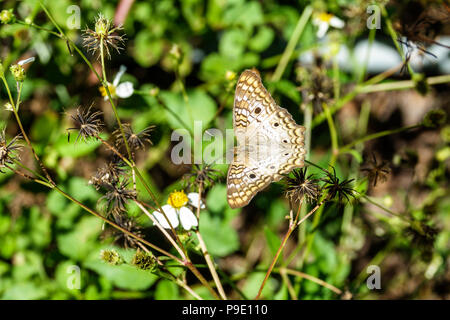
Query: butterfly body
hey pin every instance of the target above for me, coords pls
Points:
(270, 143)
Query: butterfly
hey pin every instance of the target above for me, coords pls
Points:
(269, 142)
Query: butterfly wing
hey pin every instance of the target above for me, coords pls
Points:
(270, 143)
(243, 183)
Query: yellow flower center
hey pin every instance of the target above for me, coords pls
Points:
(325, 17)
(112, 90)
(177, 199)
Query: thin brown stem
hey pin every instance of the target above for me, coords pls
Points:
(292, 225)
(205, 252)
(311, 278)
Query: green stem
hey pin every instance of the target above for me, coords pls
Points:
(292, 43)
(332, 128)
(33, 25)
(349, 146)
(394, 38)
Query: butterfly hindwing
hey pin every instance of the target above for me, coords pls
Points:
(243, 183)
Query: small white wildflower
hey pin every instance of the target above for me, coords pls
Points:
(122, 90)
(177, 210)
(324, 20)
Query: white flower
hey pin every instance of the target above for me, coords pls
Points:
(177, 210)
(324, 20)
(9, 107)
(122, 90)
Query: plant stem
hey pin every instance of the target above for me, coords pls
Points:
(205, 252)
(332, 128)
(310, 278)
(292, 43)
(15, 107)
(292, 225)
(349, 146)
(161, 228)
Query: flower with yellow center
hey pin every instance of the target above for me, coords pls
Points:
(324, 20)
(177, 210)
(177, 199)
(122, 90)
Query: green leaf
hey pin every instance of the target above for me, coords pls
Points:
(81, 190)
(287, 89)
(201, 107)
(77, 243)
(262, 39)
(220, 238)
(147, 49)
(277, 213)
(166, 290)
(74, 150)
(123, 276)
(216, 199)
(246, 14)
(215, 66)
(24, 291)
(27, 265)
(253, 283)
(233, 42)
(273, 241)
(355, 154)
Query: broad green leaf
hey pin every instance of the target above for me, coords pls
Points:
(220, 238)
(262, 39)
(76, 149)
(232, 43)
(77, 243)
(200, 107)
(123, 276)
(273, 240)
(166, 290)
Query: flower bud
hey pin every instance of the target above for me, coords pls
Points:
(230, 75)
(9, 106)
(434, 118)
(101, 26)
(144, 261)
(110, 256)
(175, 52)
(154, 91)
(18, 72)
(7, 16)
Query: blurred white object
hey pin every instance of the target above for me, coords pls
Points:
(382, 57)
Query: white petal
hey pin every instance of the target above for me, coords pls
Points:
(187, 218)
(316, 21)
(119, 75)
(337, 23)
(125, 89)
(22, 62)
(322, 30)
(171, 214)
(193, 200)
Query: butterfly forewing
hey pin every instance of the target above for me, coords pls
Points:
(270, 143)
